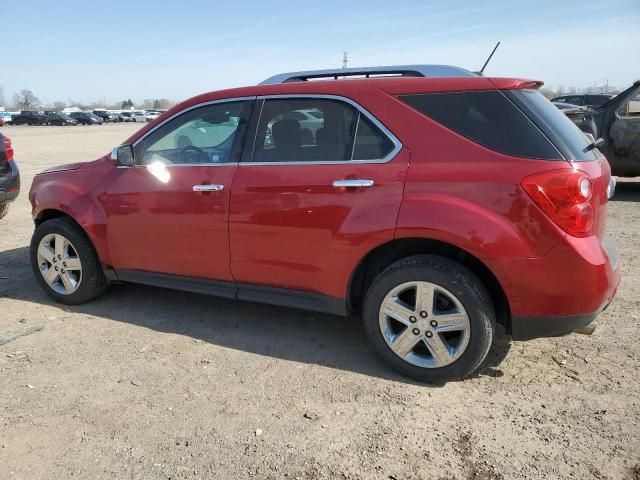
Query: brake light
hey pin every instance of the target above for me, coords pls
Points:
(564, 195)
(8, 149)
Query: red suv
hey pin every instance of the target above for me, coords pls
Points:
(434, 201)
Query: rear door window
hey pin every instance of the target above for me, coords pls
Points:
(317, 130)
(488, 118)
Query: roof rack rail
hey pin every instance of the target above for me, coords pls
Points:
(368, 72)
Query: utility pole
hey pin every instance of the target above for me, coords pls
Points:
(345, 59)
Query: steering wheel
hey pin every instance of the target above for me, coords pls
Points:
(193, 154)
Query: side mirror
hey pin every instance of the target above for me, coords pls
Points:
(122, 156)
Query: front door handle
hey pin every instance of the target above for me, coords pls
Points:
(355, 183)
(208, 188)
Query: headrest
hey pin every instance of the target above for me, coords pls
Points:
(287, 133)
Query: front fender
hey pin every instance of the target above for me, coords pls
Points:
(75, 193)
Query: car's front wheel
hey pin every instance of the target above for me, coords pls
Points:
(65, 263)
(430, 318)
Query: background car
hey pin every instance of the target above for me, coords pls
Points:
(29, 117)
(593, 100)
(106, 116)
(138, 116)
(126, 117)
(617, 123)
(5, 118)
(56, 118)
(9, 175)
(152, 115)
(86, 118)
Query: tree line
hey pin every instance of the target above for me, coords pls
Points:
(26, 100)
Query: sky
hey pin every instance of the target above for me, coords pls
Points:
(112, 50)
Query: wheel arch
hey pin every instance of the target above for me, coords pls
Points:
(51, 213)
(374, 262)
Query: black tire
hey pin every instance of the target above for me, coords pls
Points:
(459, 281)
(92, 282)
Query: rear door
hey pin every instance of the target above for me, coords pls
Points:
(321, 186)
(168, 213)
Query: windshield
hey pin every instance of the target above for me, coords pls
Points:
(564, 134)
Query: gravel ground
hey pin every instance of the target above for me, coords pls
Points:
(147, 383)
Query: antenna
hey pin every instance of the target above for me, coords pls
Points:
(488, 59)
(345, 59)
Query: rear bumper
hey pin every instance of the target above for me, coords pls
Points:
(10, 184)
(528, 328)
(563, 291)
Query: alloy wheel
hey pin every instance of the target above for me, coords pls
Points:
(424, 324)
(59, 263)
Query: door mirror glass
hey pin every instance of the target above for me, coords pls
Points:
(122, 156)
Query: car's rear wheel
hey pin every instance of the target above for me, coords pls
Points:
(430, 318)
(65, 263)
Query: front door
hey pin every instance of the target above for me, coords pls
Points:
(323, 188)
(168, 213)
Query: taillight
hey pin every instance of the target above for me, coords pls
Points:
(564, 196)
(8, 149)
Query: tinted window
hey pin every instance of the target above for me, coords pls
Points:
(316, 130)
(488, 118)
(371, 143)
(569, 139)
(596, 100)
(575, 99)
(204, 135)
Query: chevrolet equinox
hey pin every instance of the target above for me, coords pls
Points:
(433, 201)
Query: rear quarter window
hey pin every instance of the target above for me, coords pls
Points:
(566, 136)
(488, 118)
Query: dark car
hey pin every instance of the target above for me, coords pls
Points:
(107, 116)
(9, 175)
(61, 119)
(86, 118)
(29, 117)
(433, 207)
(617, 123)
(593, 100)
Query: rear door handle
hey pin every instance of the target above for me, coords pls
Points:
(355, 183)
(208, 188)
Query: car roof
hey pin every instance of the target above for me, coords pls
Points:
(354, 88)
(395, 85)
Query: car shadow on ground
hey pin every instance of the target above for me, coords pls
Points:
(279, 332)
(627, 191)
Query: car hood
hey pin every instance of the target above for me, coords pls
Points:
(70, 166)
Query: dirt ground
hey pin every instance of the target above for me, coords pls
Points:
(147, 383)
